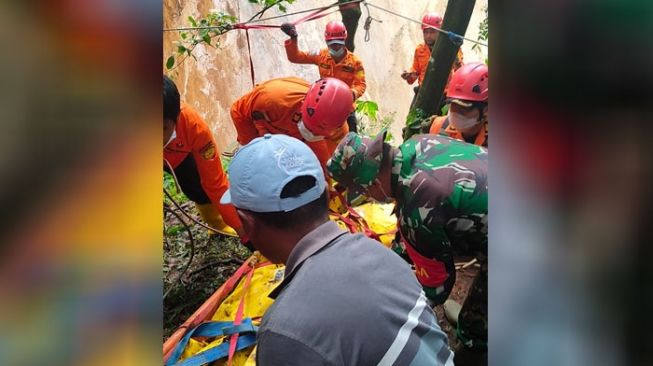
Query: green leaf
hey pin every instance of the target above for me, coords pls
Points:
(207, 39)
(283, 9)
(181, 49)
(192, 21)
(170, 63)
(367, 108)
(183, 35)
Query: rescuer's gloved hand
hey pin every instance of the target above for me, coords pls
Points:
(289, 29)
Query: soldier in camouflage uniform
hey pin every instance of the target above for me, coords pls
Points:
(440, 188)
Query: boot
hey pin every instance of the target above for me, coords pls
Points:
(211, 216)
(451, 311)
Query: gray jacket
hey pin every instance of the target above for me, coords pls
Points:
(347, 300)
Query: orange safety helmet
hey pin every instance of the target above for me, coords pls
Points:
(335, 29)
(432, 19)
(469, 82)
(327, 104)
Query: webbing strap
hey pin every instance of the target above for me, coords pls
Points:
(366, 228)
(314, 15)
(231, 282)
(218, 352)
(211, 329)
(239, 318)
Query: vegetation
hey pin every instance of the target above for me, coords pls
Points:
(483, 33)
(208, 29)
(195, 263)
(368, 122)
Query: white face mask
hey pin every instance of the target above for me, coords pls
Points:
(306, 134)
(172, 137)
(462, 123)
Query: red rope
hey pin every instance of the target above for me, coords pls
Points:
(312, 16)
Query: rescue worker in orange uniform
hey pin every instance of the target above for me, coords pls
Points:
(190, 151)
(423, 52)
(314, 113)
(467, 93)
(334, 61)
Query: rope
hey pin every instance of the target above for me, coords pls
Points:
(454, 37)
(239, 25)
(251, 62)
(368, 22)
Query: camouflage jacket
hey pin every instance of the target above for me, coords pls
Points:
(440, 185)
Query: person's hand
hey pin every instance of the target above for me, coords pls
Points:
(289, 29)
(406, 75)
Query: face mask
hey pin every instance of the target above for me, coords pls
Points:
(462, 123)
(337, 53)
(172, 137)
(306, 134)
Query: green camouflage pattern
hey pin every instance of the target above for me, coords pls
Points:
(440, 185)
(352, 163)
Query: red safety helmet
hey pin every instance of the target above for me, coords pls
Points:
(470, 83)
(327, 104)
(335, 29)
(432, 19)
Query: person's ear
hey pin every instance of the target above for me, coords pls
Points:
(247, 220)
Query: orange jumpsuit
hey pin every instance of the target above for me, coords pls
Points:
(195, 159)
(274, 107)
(441, 126)
(349, 69)
(421, 62)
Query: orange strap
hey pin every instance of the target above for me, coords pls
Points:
(239, 317)
(436, 125)
(355, 217)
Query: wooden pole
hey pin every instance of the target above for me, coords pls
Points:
(443, 55)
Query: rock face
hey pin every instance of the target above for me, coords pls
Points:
(220, 76)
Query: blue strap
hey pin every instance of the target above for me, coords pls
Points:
(218, 352)
(211, 329)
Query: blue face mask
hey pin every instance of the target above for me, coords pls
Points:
(337, 53)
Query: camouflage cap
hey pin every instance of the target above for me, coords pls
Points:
(356, 162)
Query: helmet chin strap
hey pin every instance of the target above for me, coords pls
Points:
(307, 134)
